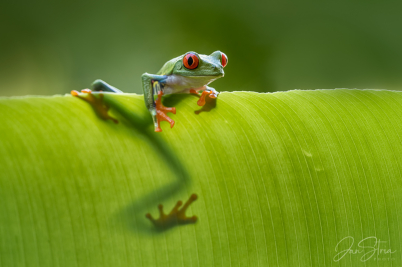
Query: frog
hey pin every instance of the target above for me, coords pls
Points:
(190, 73)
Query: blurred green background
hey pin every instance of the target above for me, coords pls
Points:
(51, 47)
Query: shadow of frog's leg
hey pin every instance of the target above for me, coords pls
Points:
(102, 86)
(97, 103)
(175, 217)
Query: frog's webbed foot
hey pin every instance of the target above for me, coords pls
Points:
(96, 102)
(175, 217)
(209, 91)
(161, 111)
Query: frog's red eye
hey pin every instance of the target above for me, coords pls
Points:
(190, 61)
(224, 60)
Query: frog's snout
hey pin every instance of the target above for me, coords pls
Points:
(218, 70)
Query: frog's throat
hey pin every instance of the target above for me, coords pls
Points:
(184, 82)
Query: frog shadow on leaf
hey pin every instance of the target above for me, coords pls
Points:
(133, 215)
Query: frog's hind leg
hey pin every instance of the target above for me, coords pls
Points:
(97, 103)
(102, 86)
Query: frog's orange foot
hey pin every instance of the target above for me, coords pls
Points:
(161, 111)
(175, 217)
(74, 93)
(97, 103)
(211, 94)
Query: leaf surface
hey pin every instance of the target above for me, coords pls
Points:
(281, 178)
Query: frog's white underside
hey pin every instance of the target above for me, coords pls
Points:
(182, 84)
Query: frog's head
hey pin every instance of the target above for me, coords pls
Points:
(194, 64)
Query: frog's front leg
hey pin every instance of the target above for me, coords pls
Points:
(153, 86)
(206, 90)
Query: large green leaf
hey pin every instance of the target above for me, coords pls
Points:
(281, 178)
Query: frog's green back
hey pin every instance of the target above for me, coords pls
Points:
(167, 69)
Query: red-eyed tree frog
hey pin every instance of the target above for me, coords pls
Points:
(188, 73)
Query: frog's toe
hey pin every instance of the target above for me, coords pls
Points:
(193, 91)
(201, 101)
(213, 95)
(88, 91)
(74, 93)
(161, 111)
(161, 116)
